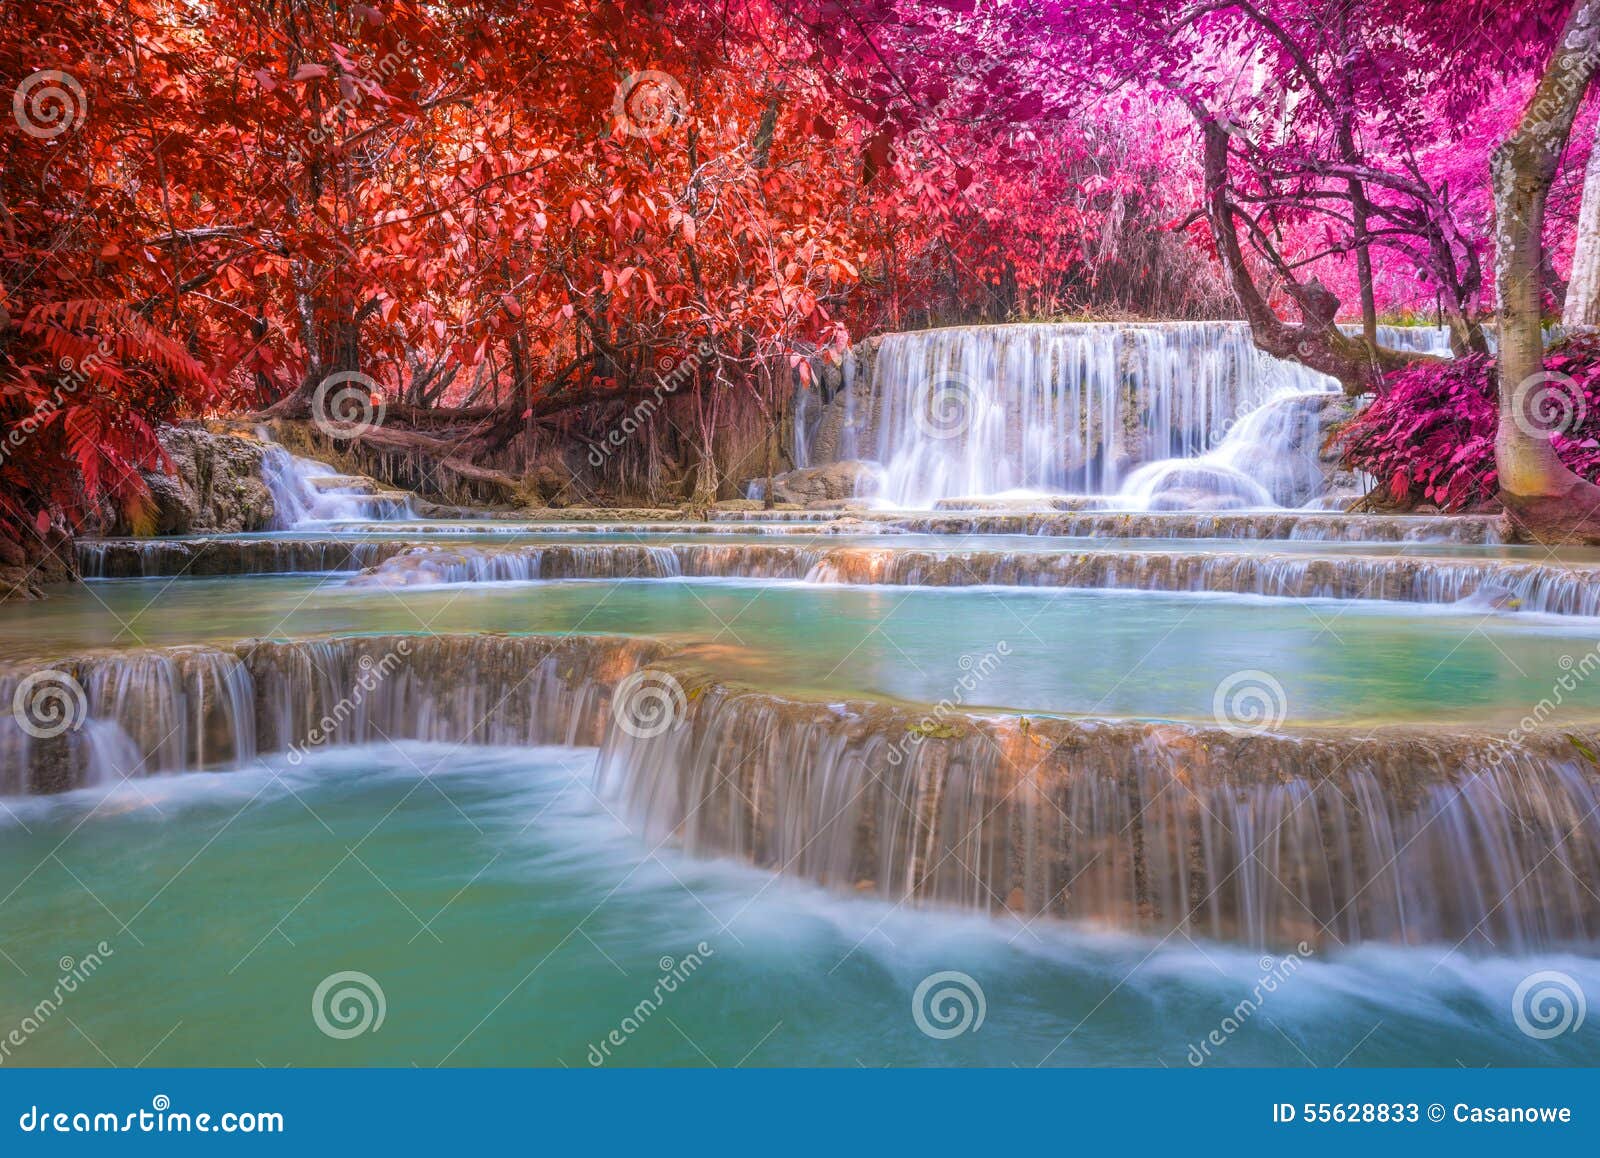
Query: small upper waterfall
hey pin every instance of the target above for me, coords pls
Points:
(307, 491)
(1085, 408)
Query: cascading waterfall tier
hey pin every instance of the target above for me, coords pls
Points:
(105, 717)
(306, 491)
(1301, 526)
(1489, 585)
(1161, 415)
(1071, 522)
(1402, 836)
(1399, 835)
(147, 558)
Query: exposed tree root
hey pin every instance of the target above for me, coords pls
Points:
(1571, 518)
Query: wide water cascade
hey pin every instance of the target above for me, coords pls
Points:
(1150, 416)
(1236, 834)
(191, 708)
(504, 852)
(1255, 837)
(1103, 653)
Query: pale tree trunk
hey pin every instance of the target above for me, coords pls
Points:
(1582, 310)
(1541, 496)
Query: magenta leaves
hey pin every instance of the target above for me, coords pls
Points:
(1430, 437)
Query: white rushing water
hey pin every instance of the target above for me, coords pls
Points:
(1167, 415)
(308, 492)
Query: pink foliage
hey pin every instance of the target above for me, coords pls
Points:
(1430, 436)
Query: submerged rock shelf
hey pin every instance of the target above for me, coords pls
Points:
(1323, 835)
(1301, 525)
(1492, 584)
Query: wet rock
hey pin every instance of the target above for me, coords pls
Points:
(753, 505)
(27, 568)
(833, 482)
(215, 485)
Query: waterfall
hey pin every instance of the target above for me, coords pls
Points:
(138, 713)
(305, 491)
(1080, 408)
(1060, 407)
(146, 558)
(1399, 834)
(1411, 339)
(1403, 837)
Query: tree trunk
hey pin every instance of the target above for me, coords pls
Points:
(1317, 342)
(1582, 310)
(1542, 497)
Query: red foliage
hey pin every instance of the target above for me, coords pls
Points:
(508, 202)
(1430, 436)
